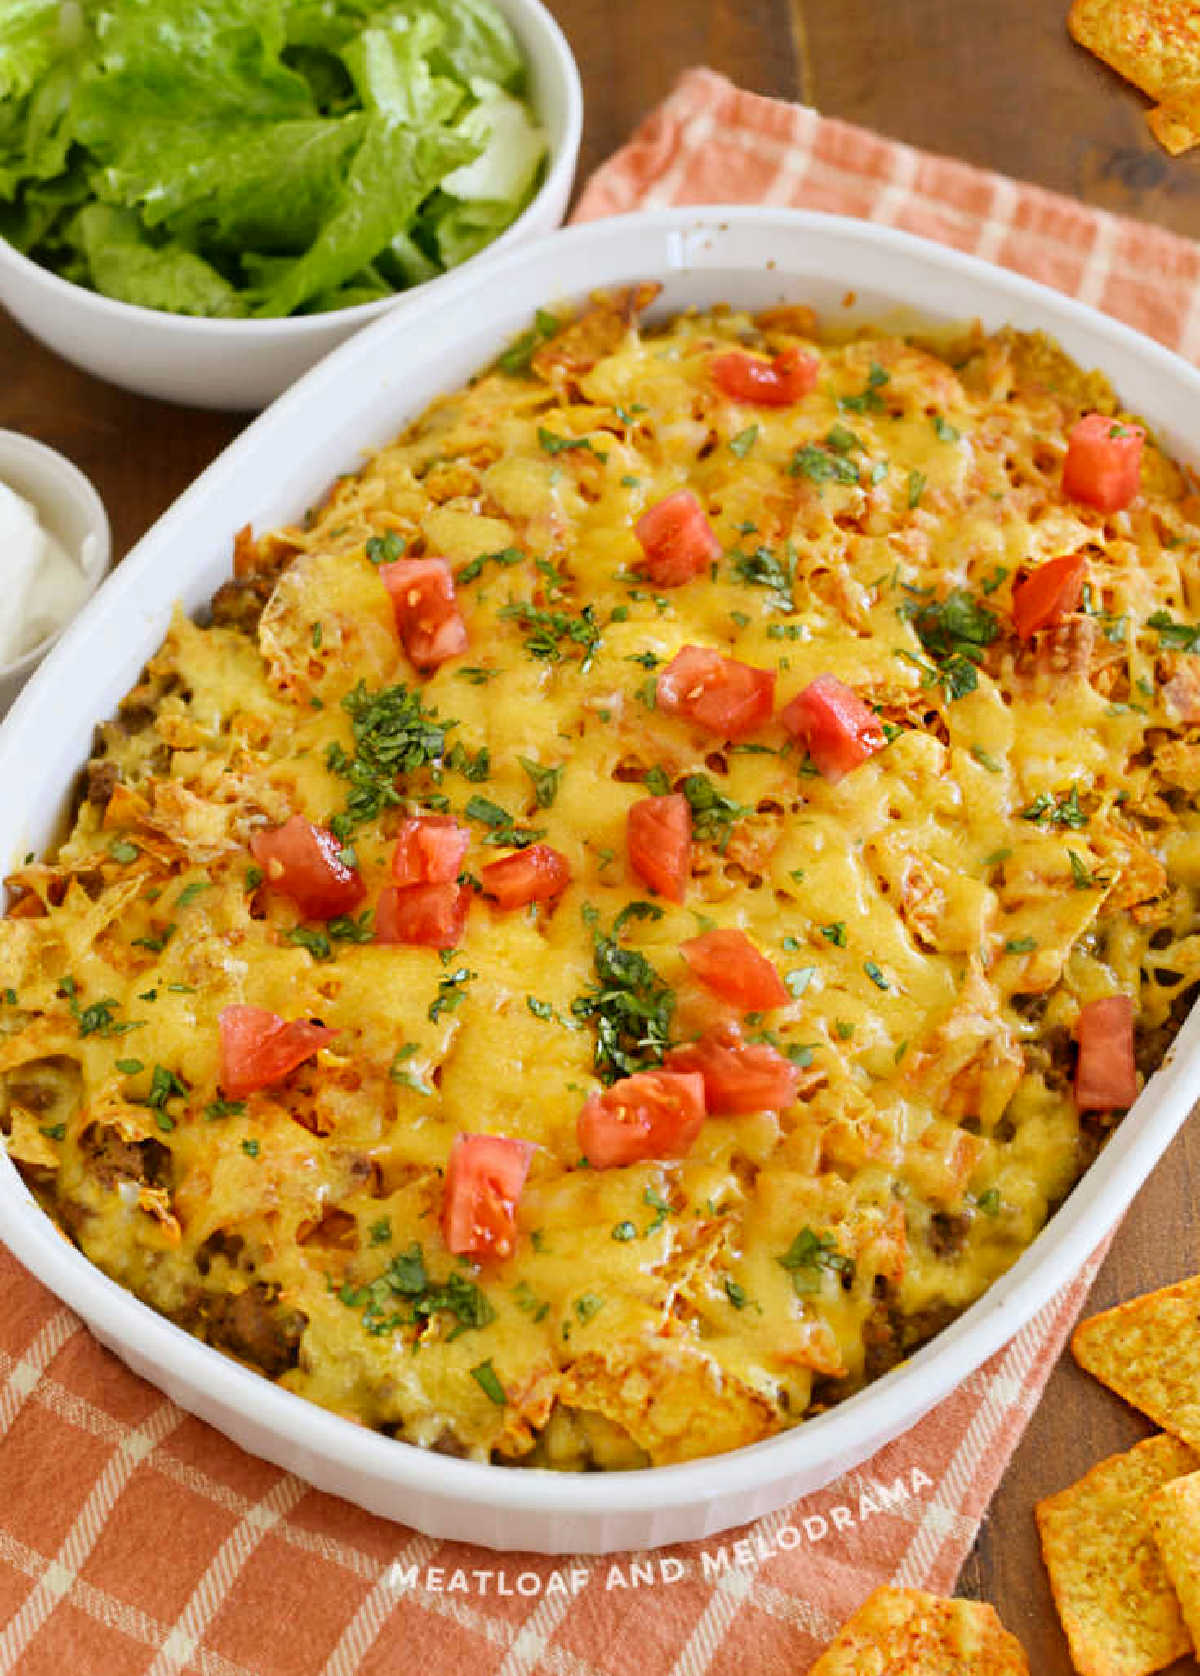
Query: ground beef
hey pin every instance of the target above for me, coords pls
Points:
(253, 1327)
(102, 777)
(239, 603)
(948, 1233)
(112, 1159)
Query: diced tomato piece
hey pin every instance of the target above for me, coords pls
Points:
(728, 963)
(738, 1076)
(484, 1180)
(428, 620)
(304, 863)
(658, 837)
(719, 694)
(431, 916)
(536, 874)
(1104, 462)
(258, 1048)
(654, 1114)
(677, 539)
(1047, 594)
(778, 383)
(429, 851)
(1106, 1074)
(834, 725)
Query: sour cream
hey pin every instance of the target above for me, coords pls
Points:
(41, 585)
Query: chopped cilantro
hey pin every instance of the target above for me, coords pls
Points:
(191, 891)
(875, 975)
(822, 465)
(1178, 637)
(1020, 945)
(404, 1295)
(661, 1208)
(53, 1131)
(517, 359)
(385, 549)
(989, 1202)
(551, 444)
(630, 1007)
(393, 734)
(502, 832)
(473, 568)
(1048, 810)
(735, 1293)
(156, 942)
(713, 814)
(624, 1231)
(551, 634)
(835, 933)
(484, 1375)
(251, 1148)
(765, 569)
(867, 400)
(545, 781)
(450, 992)
(123, 851)
(986, 760)
(944, 430)
(380, 1233)
(217, 1109)
(130, 1067)
(808, 1255)
(311, 938)
(588, 1305)
(405, 1078)
(744, 441)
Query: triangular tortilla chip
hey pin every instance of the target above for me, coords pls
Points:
(1108, 1579)
(1175, 1520)
(922, 1635)
(1148, 1351)
(1155, 44)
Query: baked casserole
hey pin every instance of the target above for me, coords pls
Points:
(630, 916)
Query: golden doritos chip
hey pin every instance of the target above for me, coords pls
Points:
(1175, 1520)
(1176, 126)
(1155, 44)
(1108, 1578)
(1148, 1351)
(922, 1635)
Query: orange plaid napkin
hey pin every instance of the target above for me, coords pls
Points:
(135, 1541)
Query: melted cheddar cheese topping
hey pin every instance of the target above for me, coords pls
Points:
(1024, 843)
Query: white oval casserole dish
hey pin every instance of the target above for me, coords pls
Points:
(357, 399)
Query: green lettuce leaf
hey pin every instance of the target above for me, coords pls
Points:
(254, 186)
(395, 169)
(390, 69)
(30, 41)
(123, 264)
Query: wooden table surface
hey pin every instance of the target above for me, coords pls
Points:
(997, 83)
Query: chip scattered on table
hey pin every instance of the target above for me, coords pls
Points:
(1156, 45)
(922, 1635)
(1148, 1351)
(1175, 1520)
(1108, 1578)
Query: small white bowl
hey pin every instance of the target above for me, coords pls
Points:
(245, 364)
(73, 513)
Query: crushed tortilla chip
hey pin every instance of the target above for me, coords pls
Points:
(1155, 44)
(1148, 1351)
(1175, 1520)
(922, 1635)
(1109, 1582)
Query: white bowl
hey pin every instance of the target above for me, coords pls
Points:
(357, 399)
(245, 364)
(70, 509)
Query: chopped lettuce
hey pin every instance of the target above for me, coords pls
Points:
(260, 156)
